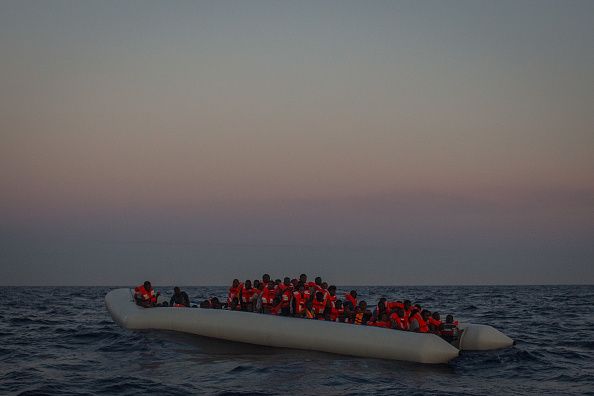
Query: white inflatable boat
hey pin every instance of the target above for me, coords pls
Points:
(315, 335)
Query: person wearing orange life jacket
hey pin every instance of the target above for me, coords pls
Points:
(383, 321)
(392, 306)
(246, 296)
(179, 298)
(418, 321)
(399, 320)
(336, 311)
(144, 295)
(285, 291)
(357, 316)
(321, 307)
(351, 299)
(234, 291)
(435, 324)
(268, 298)
(257, 297)
(332, 295)
(299, 300)
(380, 309)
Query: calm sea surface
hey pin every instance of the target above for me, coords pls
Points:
(61, 340)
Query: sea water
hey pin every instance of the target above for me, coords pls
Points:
(61, 340)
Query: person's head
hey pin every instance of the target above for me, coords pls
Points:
(363, 305)
(265, 278)
(303, 278)
(320, 296)
(418, 307)
(358, 310)
(325, 285)
(384, 317)
(214, 302)
(277, 282)
(300, 287)
(338, 304)
(407, 304)
(256, 284)
(425, 314)
(176, 291)
(235, 282)
(271, 285)
(205, 304)
(147, 285)
(294, 282)
(353, 293)
(449, 319)
(248, 284)
(381, 304)
(261, 286)
(435, 316)
(287, 281)
(332, 290)
(318, 281)
(400, 312)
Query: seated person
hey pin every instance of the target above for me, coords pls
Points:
(144, 295)
(321, 306)
(435, 324)
(337, 312)
(450, 331)
(179, 298)
(383, 321)
(418, 321)
(399, 320)
(350, 299)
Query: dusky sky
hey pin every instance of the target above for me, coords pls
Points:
(382, 142)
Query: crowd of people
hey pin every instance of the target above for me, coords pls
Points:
(317, 300)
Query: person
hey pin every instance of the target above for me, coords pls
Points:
(211, 303)
(418, 321)
(246, 296)
(144, 295)
(450, 331)
(435, 324)
(358, 316)
(320, 306)
(179, 298)
(285, 291)
(298, 301)
(234, 291)
(399, 320)
(380, 309)
(351, 299)
(383, 321)
(268, 298)
(266, 280)
(303, 279)
(337, 311)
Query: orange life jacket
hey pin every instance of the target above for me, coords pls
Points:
(435, 323)
(319, 307)
(332, 299)
(145, 295)
(234, 292)
(286, 297)
(392, 306)
(352, 299)
(401, 323)
(335, 313)
(268, 297)
(359, 318)
(423, 327)
(246, 294)
(299, 302)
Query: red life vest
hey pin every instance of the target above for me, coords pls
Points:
(319, 307)
(380, 324)
(335, 313)
(268, 297)
(401, 323)
(332, 299)
(352, 299)
(392, 306)
(299, 302)
(246, 294)
(286, 297)
(145, 295)
(435, 323)
(423, 327)
(234, 292)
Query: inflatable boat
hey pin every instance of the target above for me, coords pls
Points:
(287, 332)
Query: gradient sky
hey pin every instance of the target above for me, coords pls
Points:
(380, 142)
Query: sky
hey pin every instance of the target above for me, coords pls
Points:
(372, 143)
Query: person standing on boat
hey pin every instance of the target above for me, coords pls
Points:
(144, 295)
(179, 298)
